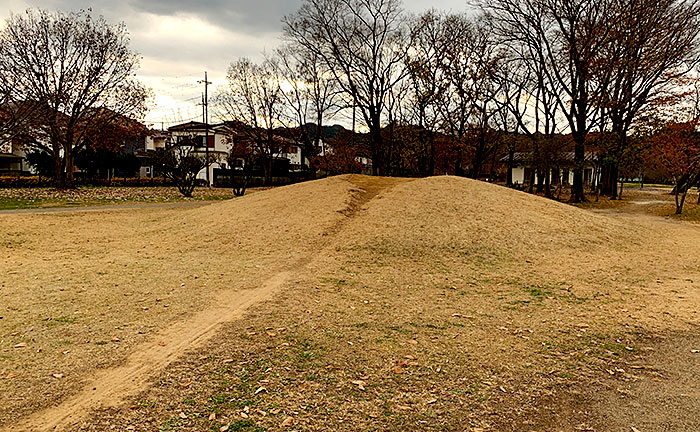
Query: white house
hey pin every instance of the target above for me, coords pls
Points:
(217, 144)
(561, 173)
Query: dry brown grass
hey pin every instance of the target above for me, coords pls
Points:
(440, 304)
(82, 289)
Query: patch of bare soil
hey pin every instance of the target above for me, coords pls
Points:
(650, 201)
(659, 389)
(435, 304)
(84, 291)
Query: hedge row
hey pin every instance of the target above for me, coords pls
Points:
(28, 182)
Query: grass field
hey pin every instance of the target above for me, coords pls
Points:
(36, 198)
(357, 304)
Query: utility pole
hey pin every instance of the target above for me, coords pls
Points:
(205, 107)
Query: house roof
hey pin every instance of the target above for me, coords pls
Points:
(192, 125)
(10, 156)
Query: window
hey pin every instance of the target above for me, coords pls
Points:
(199, 141)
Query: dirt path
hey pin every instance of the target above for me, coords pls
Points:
(110, 387)
(658, 391)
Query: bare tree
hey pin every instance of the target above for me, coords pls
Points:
(310, 91)
(181, 163)
(253, 101)
(469, 103)
(652, 47)
(454, 105)
(531, 101)
(427, 78)
(566, 38)
(74, 67)
(362, 43)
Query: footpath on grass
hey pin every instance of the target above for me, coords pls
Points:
(109, 387)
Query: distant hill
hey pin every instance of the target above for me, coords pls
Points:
(329, 132)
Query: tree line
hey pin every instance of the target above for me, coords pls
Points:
(434, 93)
(462, 86)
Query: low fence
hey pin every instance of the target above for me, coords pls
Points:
(222, 178)
(36, 181)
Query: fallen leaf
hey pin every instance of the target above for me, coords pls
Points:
(212, 416)
(431, 401)
(397, 370)
(413, 342)
(360, 384)
(275, 411)
(634, 429)
(289, 421)
(404, 408)
(244, 415)
(57, 375)
(182, 415)
(223, 428)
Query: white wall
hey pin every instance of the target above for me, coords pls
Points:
(519, 175)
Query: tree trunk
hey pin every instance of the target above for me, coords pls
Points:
(511, 157)
(378, 164)
(622, 186)
(548, 183)
(540, 181)
(268, 171)
(680, 200)
(431, 161)
(614, 174)
(69, 182)
(577, 194)
(58, 167)
(478, 156)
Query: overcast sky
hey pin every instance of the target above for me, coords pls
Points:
(180, 39)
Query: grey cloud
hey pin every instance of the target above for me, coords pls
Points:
(235, 15)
